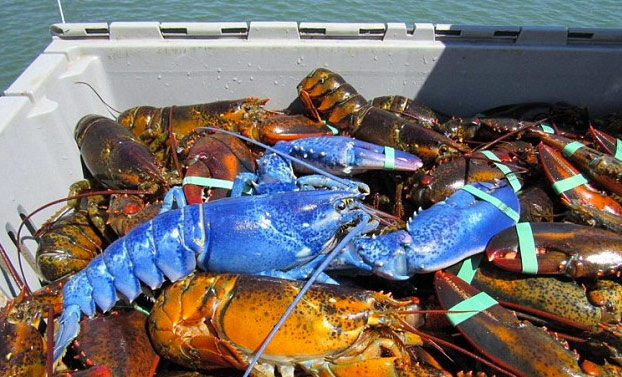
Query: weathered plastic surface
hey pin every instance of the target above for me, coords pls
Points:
(455, 69)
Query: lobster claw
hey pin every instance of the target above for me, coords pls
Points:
(443, 234)
(275, 128)
(603, 141)
(561, 248)
(558, 169)
(342, 155)
(519, 347)
(385, 256)
(218, 157)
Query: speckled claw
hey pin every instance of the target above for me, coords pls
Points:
(441, 235)
(518, 346)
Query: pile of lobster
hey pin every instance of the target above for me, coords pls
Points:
(356, 198)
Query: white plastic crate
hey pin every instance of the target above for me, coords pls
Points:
(454, 69)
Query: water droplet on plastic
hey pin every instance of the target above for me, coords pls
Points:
(188, 73)
(404, 83)
(376, 58)
(159, 77)
(218, 77)
(218, 69)
(234, 79)
(227, 86)
(249, 64)
(276, 82)
(252, 78)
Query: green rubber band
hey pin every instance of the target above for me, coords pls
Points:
(207, 182)
(469, 268)
(492, 200)
(546, 128)
(527, 247)
(509, 175)
(471, 306)
(569, 183)
(618, 155)
(389, 158)
(570, 148)
(333, 129)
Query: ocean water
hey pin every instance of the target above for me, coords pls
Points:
(24, 24)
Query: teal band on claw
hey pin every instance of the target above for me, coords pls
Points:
(618, 155)
(333, 129)
(389, 158)
(569, 183)
(546, 128)
(469, 268)
(509, 175)
(570, 148)
(527, 247)
(471, 306)
(208, 182)
(492, 200)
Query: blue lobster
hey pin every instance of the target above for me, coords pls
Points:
(290, 232)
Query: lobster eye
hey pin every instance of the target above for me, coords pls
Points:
(342, 205)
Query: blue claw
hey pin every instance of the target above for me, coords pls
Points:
(342, 155)
(441, 235)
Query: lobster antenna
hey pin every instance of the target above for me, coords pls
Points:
(284, 155)
(503, 137)
(8, 267)
(329, 258)
(100, 98)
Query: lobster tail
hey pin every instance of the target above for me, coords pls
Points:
(68, 329)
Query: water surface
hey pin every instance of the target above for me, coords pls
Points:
(24, 26)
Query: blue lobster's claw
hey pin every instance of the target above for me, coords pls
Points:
(441, 235)
(458, 228)
(342, 155)
(386, 255)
